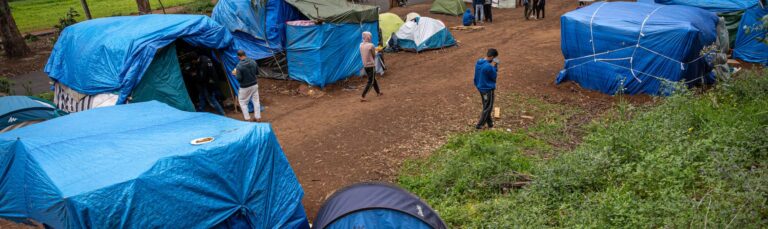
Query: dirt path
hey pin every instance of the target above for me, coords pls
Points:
(335, 140)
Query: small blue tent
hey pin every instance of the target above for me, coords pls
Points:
(376, 205)
(636, 48)
(752, 30)
(140, 166)
(135, 56)
(18, 111)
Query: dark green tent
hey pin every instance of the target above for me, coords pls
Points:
(336, 11)
(450, 7)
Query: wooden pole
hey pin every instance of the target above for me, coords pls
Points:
(86, 9)
(161, 6)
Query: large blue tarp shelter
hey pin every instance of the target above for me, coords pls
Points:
(376, 205)
(135, 166)
(113, 55)
(258, 26)
(750, 44)
(636, 48)
(323, 54)
(719, 6)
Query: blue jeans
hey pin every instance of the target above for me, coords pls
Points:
(208, 96)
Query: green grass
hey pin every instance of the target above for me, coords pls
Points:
(33, 15)
(692, 161)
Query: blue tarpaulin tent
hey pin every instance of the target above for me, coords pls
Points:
(719, 6)
(139, 166)
(749, 45)
(636, 48)
(323, 54)
(258, 26)
(114, 54)
(376, 205)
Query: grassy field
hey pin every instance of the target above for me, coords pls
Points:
(33, 15)
(694, 161)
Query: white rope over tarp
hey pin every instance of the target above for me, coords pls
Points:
(595, 55)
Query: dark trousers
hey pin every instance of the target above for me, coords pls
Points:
(488, 13)
(371, 72)
(208, 96)
(485, 116)
(528, 10)
(540, 10)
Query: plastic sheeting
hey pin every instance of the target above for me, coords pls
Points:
(376, 205)
(112, 54)
(751, 29)
(636, 48)
(424, 33)
(336, 11)
(718, 6)
(323, 54)
(110, 169)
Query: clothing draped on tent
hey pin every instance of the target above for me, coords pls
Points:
(68, 173)
(113, 54)
(636, 48)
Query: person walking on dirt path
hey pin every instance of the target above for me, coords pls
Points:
(487, 11)
(479, 12)
(485, 82)
(247, 72)
(368, 54)
(206, 85)
(527, 10)
(540, 9)
(468, 18)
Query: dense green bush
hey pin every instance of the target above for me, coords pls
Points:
(693, 161)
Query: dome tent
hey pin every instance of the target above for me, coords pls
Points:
(389, 24)
(423, 33)
(20, 111)
(450, 7)
(636, 48)
(376, 205)
(106, 168)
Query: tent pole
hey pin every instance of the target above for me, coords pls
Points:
(229, 83)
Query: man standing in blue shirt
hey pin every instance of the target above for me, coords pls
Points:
(485, 81)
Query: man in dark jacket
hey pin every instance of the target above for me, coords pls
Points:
(246, 72)
(206, 84)
(485, 82)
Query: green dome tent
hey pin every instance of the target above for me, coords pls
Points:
(451, 7)
(389, 24)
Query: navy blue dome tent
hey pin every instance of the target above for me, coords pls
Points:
(376, 205)
(148, 165)
(20, 111)
(636, 48)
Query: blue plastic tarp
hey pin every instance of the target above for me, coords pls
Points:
(326, 53)
(636, 48)
(111, 54)
(719, 6)
(749, 45)
(134, 166)
(259, 27)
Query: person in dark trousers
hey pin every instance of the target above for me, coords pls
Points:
(485, 82)
(206, 84)
(540, 9)
(468, 18)
(368, 54)
(487, 11)
(247, 72)
(527, 10)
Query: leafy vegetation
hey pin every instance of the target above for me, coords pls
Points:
(5, 85)
(32, 15)
(692, 161)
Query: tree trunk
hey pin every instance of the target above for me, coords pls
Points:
(86, 9)
(144, 7)
(10, 38)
